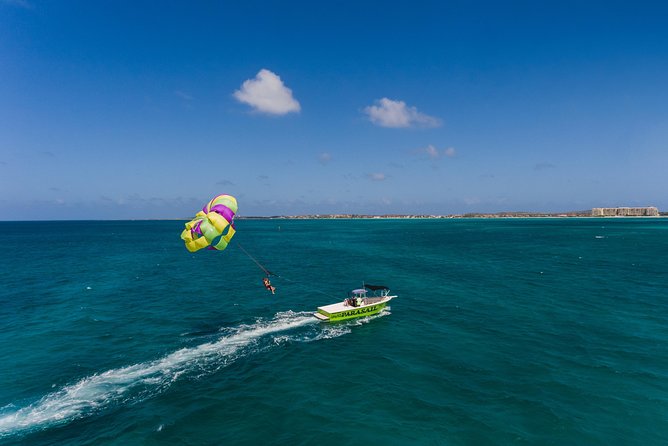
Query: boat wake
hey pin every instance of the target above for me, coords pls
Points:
(93, 394)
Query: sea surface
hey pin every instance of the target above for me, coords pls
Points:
(505, 331)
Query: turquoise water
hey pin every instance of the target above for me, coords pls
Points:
(518, 331)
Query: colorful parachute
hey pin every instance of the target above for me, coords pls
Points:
(207, 229)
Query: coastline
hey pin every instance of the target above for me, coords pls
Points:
(439, 217)
(474, 216)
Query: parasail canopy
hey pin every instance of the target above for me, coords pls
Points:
(213, 226)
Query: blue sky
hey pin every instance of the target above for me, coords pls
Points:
(149, 109)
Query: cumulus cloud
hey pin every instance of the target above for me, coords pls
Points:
(267, 94)
(324, 158)
(396, 114)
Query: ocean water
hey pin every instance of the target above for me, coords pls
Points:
(505, 331)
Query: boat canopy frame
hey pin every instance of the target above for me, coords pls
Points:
(376, 290)
(376, 287)
(370, 291)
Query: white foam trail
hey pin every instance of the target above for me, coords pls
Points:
(140, 381)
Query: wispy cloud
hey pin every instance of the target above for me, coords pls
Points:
(432, 152)
(183, 95)
(544, 166)
(267, 94)
(324, 158)
(20, 3)
(377, 176)
(396, 114)
(224, 183)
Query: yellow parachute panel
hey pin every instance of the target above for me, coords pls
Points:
(207, 228)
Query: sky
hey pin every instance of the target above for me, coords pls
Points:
(147, 109)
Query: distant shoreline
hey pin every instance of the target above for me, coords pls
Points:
(476, 216)
(438, 217)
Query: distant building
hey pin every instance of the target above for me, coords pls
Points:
(649, 211)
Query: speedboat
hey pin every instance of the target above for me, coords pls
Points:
(365, 301)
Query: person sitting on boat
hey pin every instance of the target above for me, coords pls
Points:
(268, 285)
(359, 302)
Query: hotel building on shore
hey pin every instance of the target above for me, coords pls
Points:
(649, 211)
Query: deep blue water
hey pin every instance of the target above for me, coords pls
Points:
(517, 331)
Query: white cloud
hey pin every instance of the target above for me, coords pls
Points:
(183, 95)
(267, 94)
(377, 176)
(20, 3)
(324, 158)
(396, 114)
(434, 153)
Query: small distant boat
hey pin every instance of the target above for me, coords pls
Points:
(362, 302)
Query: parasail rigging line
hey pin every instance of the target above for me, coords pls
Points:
(269, 273)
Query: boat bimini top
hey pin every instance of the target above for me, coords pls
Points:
(376, 290)
(376, 287)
